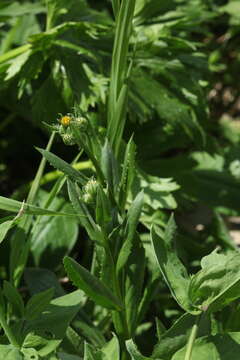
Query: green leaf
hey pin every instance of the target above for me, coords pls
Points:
(133, 351)
(217, 284)
(85, 218)
(157, 191)
(63, 356)
(128, 172)
(9, 352)
(111, 350)
(17, 9)
(15, 206)
(30, 354)
(63, 166)
(221, 232)
(90, 353)
(17, 64)
(118, 89)
(103, 208)
(46, 108)
(91, 285)
(221, 347)
(177, 336)
(48, 329)
(14, 298)
(132, 221)
(109, 166)
(54, 237)
(171, 109)
(173, 271)
(38, 303)
(39, 280)
(134, 269)
(89, 331)
(4, 228)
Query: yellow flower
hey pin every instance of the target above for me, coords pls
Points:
(65, 120)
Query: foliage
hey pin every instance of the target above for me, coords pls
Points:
(141, 102)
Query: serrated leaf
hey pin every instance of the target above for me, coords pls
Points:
(63, 166)
(91, 285)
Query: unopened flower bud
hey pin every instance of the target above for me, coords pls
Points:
(68, 139)
(81, 123)
(90, 191)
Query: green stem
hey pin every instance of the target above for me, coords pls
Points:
(191, 340)
(8, 332)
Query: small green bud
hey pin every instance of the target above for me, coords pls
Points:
(90, 191)
(68, 139)
(81, 123)
(91, 186)
(88, 199)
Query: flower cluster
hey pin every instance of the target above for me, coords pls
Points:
(67, 126)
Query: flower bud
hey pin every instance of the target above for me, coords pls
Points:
(90, 191)
(68, 139)
(81, 123)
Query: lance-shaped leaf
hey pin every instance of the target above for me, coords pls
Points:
(4, 228)
(91, 285)
(130, 230)
(172, 269)
(16, 206)
(63, 166)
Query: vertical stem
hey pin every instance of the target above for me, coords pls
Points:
(192, 338)
(116, 6)
(8, 332)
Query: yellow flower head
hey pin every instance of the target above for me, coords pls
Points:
(65, 120)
